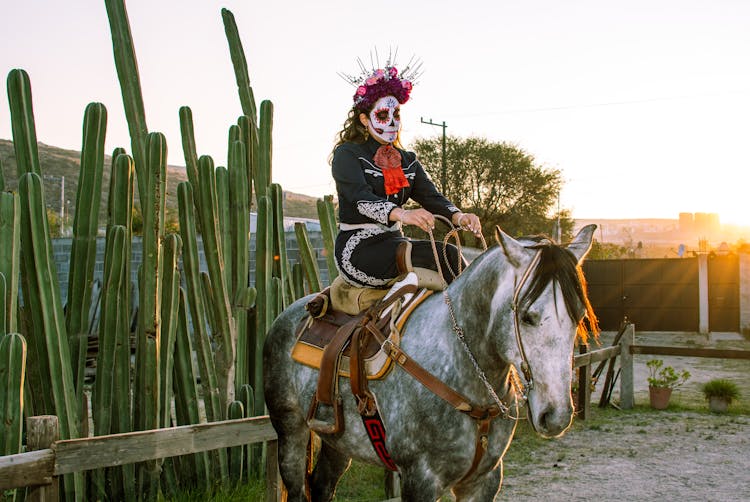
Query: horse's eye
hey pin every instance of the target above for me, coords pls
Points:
(530, 318)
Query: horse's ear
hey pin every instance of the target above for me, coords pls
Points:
(512, 249)
(581, 244)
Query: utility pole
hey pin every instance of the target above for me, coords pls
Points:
(559, 226)
(444, 168)
(62, 202)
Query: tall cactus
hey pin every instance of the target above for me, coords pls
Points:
(3, 310)
(280, 257)
(46, 308)
(148, 339)
(10, 249)
(328, 232)
(198, 312)
(120, 213)
(242, 305)
(239, 195)
(103, 405)
(225, 335)
(27, 160)
(223, 205)
(44, 300)
(264, 173)
(249, 137)
(186, 392)
(170, 320)
(22, 122)
(130, 86)
(85, 226)
(263, 281)
(215, 409)
(109, 329)
(247, 100)
(170, 305)
(12, 373)
(307, 257)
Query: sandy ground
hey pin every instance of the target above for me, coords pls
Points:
(664, 456)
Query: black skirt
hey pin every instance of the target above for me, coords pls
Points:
(367, 257)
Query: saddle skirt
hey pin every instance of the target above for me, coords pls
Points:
(315, 333)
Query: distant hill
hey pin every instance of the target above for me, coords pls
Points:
(57, 163)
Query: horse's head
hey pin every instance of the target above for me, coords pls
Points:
(548, 311)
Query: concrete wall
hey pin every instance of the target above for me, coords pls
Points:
(61, 252)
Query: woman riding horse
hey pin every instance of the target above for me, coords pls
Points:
(375, 177)
(449, 407)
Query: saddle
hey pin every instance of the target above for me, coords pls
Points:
(337, 338)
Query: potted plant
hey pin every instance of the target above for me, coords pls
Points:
(720, 393)
(661, 381)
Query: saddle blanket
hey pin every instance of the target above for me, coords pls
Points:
(313, 334)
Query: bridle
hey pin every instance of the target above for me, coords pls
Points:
(521, 390)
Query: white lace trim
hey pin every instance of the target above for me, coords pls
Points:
(377, 211)
(346, 256)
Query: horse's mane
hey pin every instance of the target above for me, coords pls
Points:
(558, 264)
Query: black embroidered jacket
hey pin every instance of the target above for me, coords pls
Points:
(359, 183)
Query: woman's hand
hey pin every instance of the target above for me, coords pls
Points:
(421, 218)
(468, 221)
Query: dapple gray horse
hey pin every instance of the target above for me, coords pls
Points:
(520, 304)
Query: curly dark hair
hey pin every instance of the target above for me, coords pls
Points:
(354, 131)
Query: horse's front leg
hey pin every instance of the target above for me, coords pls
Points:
(483, 488)
(419, 484)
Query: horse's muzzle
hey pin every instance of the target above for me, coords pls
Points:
(552, 421)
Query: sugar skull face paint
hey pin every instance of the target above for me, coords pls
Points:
(385, 120)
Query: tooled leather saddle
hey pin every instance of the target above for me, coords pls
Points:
(340, 345)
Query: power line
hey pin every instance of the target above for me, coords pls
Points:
(606, 103)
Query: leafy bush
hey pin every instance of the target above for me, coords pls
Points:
(665, 376)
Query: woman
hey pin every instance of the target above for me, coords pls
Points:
(374, 178)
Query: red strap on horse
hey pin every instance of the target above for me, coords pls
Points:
(376, 432)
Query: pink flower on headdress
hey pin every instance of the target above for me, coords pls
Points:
(392, 71)
(361, 90)
(406, 85)
(379, 73)
(371, 81)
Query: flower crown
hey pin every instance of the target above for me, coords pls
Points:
(376, 83)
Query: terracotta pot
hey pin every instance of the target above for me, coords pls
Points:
(718, 404)
(659, 397)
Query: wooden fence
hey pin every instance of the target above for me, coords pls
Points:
(625, 347)
(50, 459)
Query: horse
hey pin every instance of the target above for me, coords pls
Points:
(518, 305)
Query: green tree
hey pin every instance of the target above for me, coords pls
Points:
(500, 182)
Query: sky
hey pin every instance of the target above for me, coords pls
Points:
(643, 105)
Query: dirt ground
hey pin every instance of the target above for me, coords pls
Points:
(647, 455)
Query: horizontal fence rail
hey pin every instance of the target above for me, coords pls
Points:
(596, 356)
(74, 455)
(689, 352)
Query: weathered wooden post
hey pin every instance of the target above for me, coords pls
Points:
(41, 432)
(275, 490)
(584, 386)
(626, 367)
